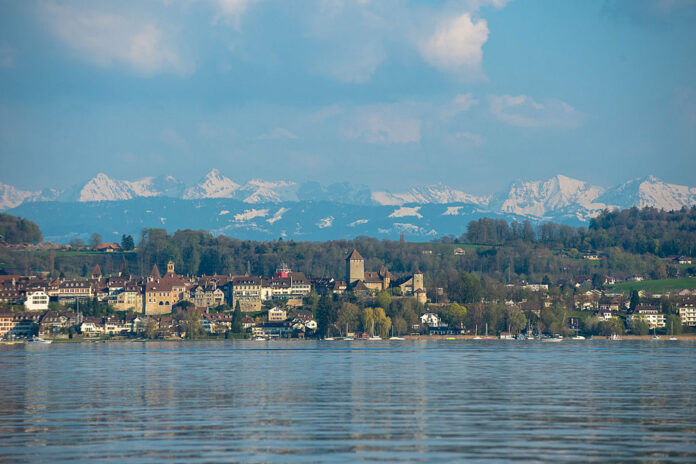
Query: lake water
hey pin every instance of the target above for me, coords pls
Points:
(339, 401)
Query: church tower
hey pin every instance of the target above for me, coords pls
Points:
(170, 267)
(417, 281)
(355, 267)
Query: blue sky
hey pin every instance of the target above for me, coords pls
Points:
(386, 93)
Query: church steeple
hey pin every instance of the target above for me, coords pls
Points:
(155, 274)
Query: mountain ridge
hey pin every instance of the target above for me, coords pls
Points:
(558, 198)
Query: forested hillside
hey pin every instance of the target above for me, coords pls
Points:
(16, 230)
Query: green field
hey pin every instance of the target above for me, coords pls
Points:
(657, 285)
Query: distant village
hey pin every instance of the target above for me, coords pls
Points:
(274, 306)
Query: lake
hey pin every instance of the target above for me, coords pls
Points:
(342, 401)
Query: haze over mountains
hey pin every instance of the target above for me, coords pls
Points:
(262, 209)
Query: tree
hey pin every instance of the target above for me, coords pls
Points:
(635, 300)
(516, 320)
(348, 317)
(384, 299)
(151, 328)
(124, 268)
(382, 322)
(454, 315)
(673, 323)
(95, 240)
(237, 326)
(326, 315)
(127, 242)
(367, 320)
(192, 323)
(639, 326)
(76, 243)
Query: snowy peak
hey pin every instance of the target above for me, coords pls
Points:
(213, 185)
(103, 188)
(437, 193)
(259, 191)
(11, 197)
(538, 199)
(650, 191)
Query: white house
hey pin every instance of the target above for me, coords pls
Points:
(653, 317)
(36, 301)
(430, 319)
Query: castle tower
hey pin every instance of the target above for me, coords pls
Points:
(170, 267)
(355, 267)
(417, 281)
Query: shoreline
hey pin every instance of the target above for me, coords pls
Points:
(686, 337)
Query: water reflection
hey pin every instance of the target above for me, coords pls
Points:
(424, 401)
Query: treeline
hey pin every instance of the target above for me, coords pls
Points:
(16, 230)
(647, 230)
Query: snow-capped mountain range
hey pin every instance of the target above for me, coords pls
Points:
(559, 198)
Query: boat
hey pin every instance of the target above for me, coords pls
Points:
(578, 337)
(397, 338)
(39, 341)
(349, 338)
(329, 338)
(260, 339)
(671, 331)
(552, 340)
(450, 338)
(614, 337)
(655, 336)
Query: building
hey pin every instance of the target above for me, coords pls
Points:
(108, 247)
(286, 285)
(653, 317)
(277, 315)
(412, 284)
(72, 290)
(687, 313)
(355, 267)
(245, 290)
(36, 301)
(162, 293)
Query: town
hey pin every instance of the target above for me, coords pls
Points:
(371, 304)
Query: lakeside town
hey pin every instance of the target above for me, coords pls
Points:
(288, 304)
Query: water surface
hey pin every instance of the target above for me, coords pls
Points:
(340, 401)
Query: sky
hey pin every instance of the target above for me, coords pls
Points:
(384, 93)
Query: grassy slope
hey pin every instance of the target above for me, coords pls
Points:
(657, 285)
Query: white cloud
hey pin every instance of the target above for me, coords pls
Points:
(106, 39)
(325, 222)
(233, 10)
(383, 124)
(461, 103)
(277, 133)
(524, 111)
(358, 222)
(456, 45)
